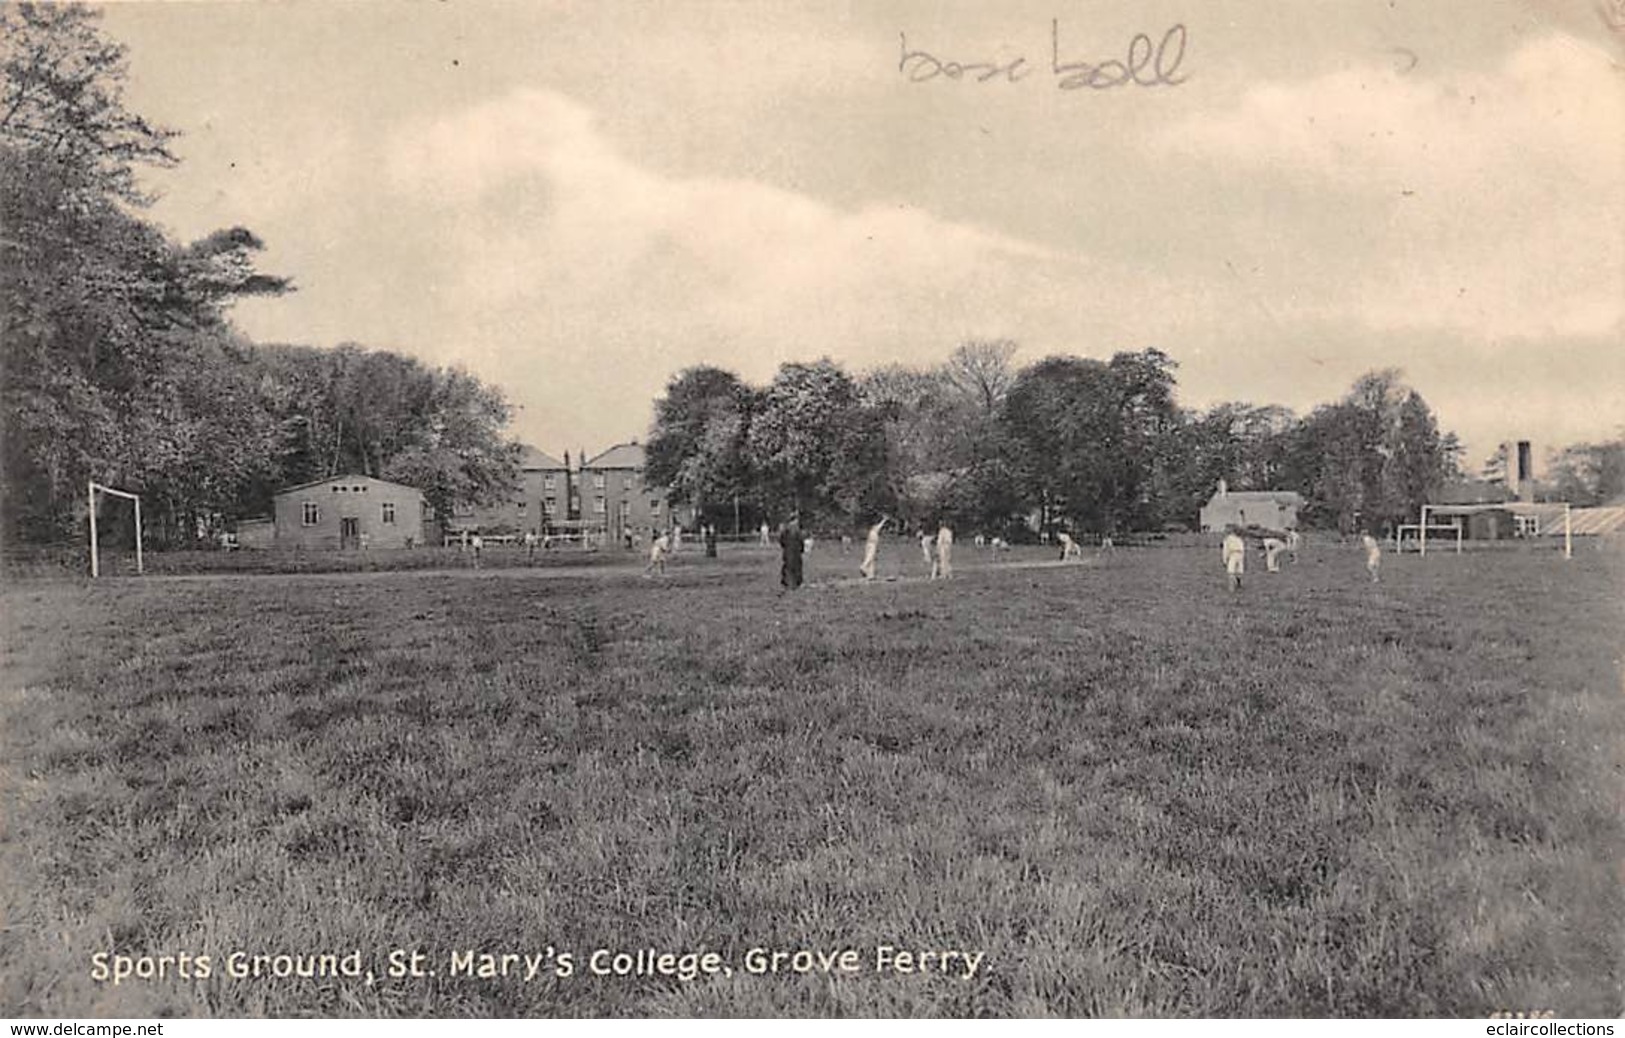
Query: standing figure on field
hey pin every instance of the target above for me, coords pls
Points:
(791, 546)
(763, 534)
(871, 548)
(659, 547)
(1273, 547)
(1069, 547)
(925, 551)
(944, 566)
(476, 543)
(1234, 553)
(1293, 543)
(1373, 557)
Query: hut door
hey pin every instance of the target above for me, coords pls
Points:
(348, 532)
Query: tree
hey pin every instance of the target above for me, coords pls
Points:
(1063, 421)
(814, 447)
(62, 99)
(1589, 474)
(697, 440)
(457, 453)
(1243, 444)
(118, 360)
(1087, 437)
(1373, 458)
(980, 371)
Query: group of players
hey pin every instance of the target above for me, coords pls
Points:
(936, 550)
(1233, 551)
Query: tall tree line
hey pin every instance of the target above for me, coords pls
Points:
(119, 360)
(1085, 444)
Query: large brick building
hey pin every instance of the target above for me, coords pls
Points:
(614, 497)
(539, 504)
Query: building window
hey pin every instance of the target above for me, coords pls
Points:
(550, 483)
(598, 504)
(552, 504)
(654, 504)
(1526, 525)
(599, 481)
(521, 506)
(389, 512)
(313, 514)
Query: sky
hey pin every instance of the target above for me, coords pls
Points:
(576, 201)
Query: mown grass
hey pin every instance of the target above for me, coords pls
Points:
(1137, 793)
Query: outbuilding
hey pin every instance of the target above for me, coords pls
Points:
(343, 512)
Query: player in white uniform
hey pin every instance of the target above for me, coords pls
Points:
(945, 553)
(925, 551)
(1235, 558)
(1293, 542)
(1070, 548)
(657, 555)
(1373, 557)
(871, 548)
(1273, 547)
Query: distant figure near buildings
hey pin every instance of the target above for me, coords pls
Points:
(1069, 547)
(476, 542)
(1106, 544)
(945, 553)
(1235, 557)
(530, 545)
(1293, 543)
(791, 546)
(1273, 547)
(871, 548)
(1373, 557)
(765, 539)
(676, 537)
(925, 551)
(658, 549)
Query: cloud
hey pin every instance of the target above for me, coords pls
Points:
(1488, 201)
(570, 263)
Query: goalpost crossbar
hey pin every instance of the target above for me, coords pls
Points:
(95, 552)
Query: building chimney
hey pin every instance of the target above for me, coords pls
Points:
(1525, 471)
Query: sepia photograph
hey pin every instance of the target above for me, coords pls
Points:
(809, 509)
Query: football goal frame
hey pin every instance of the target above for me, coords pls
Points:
(1422, 533)
(95, 547)
(1458, 529)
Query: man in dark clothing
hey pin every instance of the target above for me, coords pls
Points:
(710, 541)
(790, 545)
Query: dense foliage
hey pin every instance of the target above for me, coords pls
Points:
(120, 364)
(1089, 445)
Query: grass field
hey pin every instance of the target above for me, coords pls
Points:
(1132, 791)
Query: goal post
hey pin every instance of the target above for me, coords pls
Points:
(1533, 515)
(95, 551)
(1409, 533)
